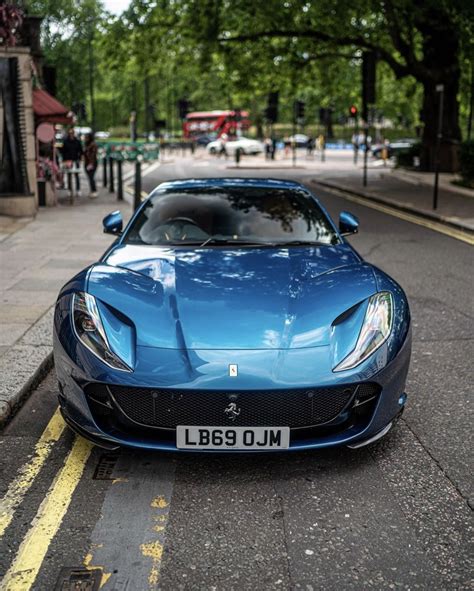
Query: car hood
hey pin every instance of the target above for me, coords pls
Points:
(220, 298)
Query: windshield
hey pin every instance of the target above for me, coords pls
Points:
(214, 216)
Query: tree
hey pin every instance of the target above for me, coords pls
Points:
(68, 28)
(231, 53)
(418, 39)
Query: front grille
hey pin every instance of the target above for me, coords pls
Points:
(166, 408)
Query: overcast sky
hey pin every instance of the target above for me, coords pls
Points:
(116, 6)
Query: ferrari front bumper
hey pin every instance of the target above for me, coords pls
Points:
(101, 425)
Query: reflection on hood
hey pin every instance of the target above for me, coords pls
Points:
(247, 298)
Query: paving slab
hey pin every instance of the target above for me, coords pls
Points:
(37, 257)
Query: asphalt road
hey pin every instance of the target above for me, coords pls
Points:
(394, 516)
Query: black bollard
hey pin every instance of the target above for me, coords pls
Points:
(119, 180)
(137, 197)
(104, 171)
(111, 175)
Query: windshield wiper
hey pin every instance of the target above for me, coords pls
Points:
(300, 243)
(229, 241)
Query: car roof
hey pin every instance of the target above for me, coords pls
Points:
(231, 182)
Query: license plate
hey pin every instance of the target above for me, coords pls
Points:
(188, 437)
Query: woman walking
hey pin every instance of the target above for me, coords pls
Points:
(90, 163)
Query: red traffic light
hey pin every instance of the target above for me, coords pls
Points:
(353, 111)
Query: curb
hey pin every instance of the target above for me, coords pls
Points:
(36, 354)
(406, 208)
(406, 176)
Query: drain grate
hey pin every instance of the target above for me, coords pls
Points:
(106, 466)
(78, 579)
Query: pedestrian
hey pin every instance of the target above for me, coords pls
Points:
(72, 154)
(90, 163)
(273, 148)
(310, 146)
(355, 146)
(223, 150)
(384, 151)
(268, 147)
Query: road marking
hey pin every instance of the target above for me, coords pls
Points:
(129, 550)
(88, 564)
(28, 472)
(408, 217)
(22, 573)
(153, 550)
(148, 169)
(151, 168)
(130, 189)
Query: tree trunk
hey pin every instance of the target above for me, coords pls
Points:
(441, 60)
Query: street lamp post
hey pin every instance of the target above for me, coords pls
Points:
(146, 94)
(91, 73)
(439, 135)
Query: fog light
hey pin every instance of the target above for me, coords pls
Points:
(402, 399)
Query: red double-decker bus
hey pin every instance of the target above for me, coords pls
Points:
(215, 122)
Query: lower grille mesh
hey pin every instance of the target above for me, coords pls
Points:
(166, 408)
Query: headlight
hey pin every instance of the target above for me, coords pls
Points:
(90, 330)
(375, 330)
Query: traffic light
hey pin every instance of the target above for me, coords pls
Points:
(271, 111)
(183, 108)
(369, 66)
(80, 110)
(325, 115)
(299, 109)
(353, 111)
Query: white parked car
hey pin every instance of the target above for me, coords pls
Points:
(300, 139)
(246, 145)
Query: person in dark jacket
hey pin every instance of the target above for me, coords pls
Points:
(72, 154)
(90, 163)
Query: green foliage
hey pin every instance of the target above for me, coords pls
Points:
(466, 157)
(183, 49)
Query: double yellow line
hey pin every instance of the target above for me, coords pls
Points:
(25, 567)
(29, 471)
(406, 216)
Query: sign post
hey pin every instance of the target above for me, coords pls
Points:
(439, 135)
(369, 65)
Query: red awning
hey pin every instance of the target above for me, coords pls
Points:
(47, 108)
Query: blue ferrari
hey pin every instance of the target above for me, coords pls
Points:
(231, 315)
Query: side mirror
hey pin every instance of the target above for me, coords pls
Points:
(348, 223)
(113, 223)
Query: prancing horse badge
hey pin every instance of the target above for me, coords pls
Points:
(233, 370)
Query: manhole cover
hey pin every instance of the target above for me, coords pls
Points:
(78, 579)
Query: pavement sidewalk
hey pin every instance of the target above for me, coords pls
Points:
(36, 258)
(413, 194)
